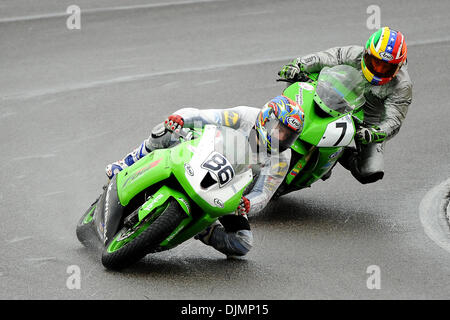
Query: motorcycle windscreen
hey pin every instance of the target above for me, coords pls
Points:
(341, 88)
(234, 146)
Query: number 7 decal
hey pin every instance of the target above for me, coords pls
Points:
(339, 133)
(342, 125)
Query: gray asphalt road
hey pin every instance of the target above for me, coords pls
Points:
(74, 100)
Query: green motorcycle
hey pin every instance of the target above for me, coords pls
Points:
(332, 103)
(167, 197)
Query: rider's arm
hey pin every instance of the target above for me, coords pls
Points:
(231, 117)
(194, 117)
(349, 55)
(270, 178)
(396, 107)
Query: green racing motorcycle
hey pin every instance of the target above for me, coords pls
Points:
(167, 197)
(332, 102)
(170, 195)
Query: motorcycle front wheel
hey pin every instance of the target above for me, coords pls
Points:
(131, 244)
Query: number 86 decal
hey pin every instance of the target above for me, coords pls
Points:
(220, 167)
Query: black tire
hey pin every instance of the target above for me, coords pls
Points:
(85, 231)
(148, 241)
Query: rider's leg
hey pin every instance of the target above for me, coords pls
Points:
(368, 165)
(371, 164)
(160, 138)
(232, 236)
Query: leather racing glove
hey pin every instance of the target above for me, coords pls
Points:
(174, 123)
(244, 207)
(293, 71)
(370, 135)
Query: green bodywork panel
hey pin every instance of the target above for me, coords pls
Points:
(149, 170)
(314, 127)
(160, 197)
(160, 165)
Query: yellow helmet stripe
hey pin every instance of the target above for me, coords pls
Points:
(366, 72)
(382, 43)
(384, 39)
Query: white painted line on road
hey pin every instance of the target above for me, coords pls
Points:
(432, 213)
(102, 10)
(428, 42)
(144, 76)
(6, 114)
(35, 156)
(253, 13)
(50, 194)
(204, 83)
(132, 78)
(43, 259)
(19, 239)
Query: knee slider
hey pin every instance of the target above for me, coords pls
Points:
(245, 239)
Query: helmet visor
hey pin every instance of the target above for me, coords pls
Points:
(380, 68)
(281, 136)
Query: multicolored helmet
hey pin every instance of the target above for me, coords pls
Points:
(279, 123)
(384, 55)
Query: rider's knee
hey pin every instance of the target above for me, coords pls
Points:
(243, 242)
(237, 243)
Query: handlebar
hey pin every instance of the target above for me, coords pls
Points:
(302, 77)
(184, 133)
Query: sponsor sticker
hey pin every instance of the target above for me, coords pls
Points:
(185, 203)
(294, 123)
(231, 119)
(386, 55)
(150, 205)
(105, 224)
(334, 155)
(140, 172)
(189, 169)
(299, 98)
(219, 203)
(305, 86)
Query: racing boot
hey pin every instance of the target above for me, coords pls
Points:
(349, 158)
(115, 167)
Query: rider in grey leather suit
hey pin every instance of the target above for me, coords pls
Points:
(387, 100)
